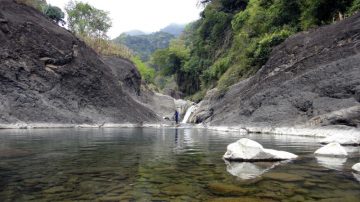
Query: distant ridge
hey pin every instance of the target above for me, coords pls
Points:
(135, 32)
(174, 29)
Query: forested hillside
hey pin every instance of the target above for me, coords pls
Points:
(234, 38)
(144, 45)
(174, 29)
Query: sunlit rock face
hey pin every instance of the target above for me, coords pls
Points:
(348, 139)
(332, 149)
(356, 167)
(249, 151)
(247, 171)
(333, 163)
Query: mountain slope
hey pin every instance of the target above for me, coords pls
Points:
(47, 75)
(313, 78)
(174, 29)
(145, 45)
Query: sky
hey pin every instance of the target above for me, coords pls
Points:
(145, 15)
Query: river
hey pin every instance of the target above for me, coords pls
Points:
(148, 164)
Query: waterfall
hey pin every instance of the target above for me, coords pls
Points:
(188, 114)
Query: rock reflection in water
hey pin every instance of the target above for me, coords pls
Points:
(334, 163)
(247, 171)
(356, 176)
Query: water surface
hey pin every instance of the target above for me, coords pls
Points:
(164, 165)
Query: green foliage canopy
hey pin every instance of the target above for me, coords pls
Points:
(55, 13)
(86, 20)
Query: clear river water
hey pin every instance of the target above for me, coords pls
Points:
(150, 164)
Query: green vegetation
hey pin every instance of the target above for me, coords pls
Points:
(53, 12)
(92, 25)
(37, 4)
(147, 73)
(234, 38)
(145, 45)
(85, 20)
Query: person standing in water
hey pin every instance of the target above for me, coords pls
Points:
(176, 117)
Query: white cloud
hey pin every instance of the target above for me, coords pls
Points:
(144, 15)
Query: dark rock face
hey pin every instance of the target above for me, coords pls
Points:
(308, 76)
(49, 76)
(126, 73)
(130, 79)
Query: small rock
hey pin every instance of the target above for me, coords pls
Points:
(332, 149)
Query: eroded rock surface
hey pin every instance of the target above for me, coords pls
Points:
(47, 75)
(313, 79)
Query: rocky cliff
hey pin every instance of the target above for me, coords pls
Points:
(47, 75)
(313, 78)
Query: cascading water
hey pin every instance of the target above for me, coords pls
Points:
(188, 113)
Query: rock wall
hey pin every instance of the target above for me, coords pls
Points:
(313, 76)
(47, 75)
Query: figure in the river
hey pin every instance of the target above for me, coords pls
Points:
(176, 117)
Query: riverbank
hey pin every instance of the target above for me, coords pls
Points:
(293, 131)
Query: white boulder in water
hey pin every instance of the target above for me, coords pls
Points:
(348, 139)
(356, 167)
(332, 149)
(249, 150)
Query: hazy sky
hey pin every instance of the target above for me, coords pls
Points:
(144, 15)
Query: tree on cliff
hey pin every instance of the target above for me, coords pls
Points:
(86, 20)
(55, 13)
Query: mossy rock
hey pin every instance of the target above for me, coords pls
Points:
(223, 189)
(283, 177)
(242, 199)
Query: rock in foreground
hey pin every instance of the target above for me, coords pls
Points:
(332, 149)
(250, 151)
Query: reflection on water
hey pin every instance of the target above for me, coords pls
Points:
(163, 165)
(335, 163)
(357, 176)
(246, 171)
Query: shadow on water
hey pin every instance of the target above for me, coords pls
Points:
(181, 164)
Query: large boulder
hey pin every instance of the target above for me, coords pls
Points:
(250, 151)
(356, 167)
(332, 149)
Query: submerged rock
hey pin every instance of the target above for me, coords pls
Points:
(223, 189)
(332, 149)
(284, 177)
(356, 167)
(250, 151)
(349, 139)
